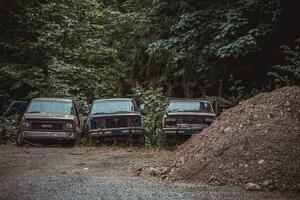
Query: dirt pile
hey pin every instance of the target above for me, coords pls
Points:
(255, 145)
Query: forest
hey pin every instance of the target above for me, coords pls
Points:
(90, 49)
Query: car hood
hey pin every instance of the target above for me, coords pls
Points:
(116, 114)
(48, 116)
(190, 113)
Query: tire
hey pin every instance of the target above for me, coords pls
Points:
(19, 141)
(140, 140)
(77, 140)
(92, 141)
(68, 143)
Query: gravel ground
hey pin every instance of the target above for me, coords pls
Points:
(97, 173)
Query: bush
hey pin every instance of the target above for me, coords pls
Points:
(154, 103)
(10, 129)
(288, 72)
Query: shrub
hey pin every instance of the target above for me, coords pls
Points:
(10, 129)
(288, 73)
(154, 103)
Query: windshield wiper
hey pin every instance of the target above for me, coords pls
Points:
(124, 112)
(34, 112)
(99, 113)
(183, 111)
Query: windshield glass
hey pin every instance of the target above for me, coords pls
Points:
(189, 106)
(113, 106)
(48, 106)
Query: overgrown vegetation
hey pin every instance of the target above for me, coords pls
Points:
(154, 103)
(90, 49)
(288, 73)
(9, 129)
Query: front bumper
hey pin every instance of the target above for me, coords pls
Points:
(184, 131)
(48, 135)
(116, 132)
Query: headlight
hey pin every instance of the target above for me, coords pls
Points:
(209, 119)
(25, 124)
(170, 119)
(69, 126)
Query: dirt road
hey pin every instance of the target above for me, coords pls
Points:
(96, 173)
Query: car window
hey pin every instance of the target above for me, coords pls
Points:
(49, 106)
(14, 108)
(189, 106)
(113, 106)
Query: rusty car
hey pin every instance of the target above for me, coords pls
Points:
(187, 116)
(51, 119)
(115, 119)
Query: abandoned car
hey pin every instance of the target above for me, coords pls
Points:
(187, 117)
(115, 119)
(51, 119)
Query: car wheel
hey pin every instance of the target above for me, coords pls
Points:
(141, 140)
(77, 141)
(19, 141)
(68, 143)
(92, 141)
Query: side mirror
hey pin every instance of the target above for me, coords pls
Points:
(141, 111)
(142, 108)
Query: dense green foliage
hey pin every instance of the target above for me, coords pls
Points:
(288, 73)
(50, 51)
(95, 48)
(9, 129)
(89, 49)
(155, 104)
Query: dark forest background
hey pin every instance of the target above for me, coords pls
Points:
(89, 49)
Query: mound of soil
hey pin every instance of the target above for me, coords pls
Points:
(255, 145)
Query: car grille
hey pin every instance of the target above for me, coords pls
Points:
(116, 122)
(53, 126)
(186, 120)
(120, 122)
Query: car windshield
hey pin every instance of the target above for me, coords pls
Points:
(112, 106)
(190, 106)
(50, 106)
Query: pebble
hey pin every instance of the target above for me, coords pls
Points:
(164, 171)
(267, 183)
(154, 171)
(227, 129)
(252, 187)
(261, 162)
(287, 104)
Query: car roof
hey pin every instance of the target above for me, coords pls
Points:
(114, 99)
(52, 99)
